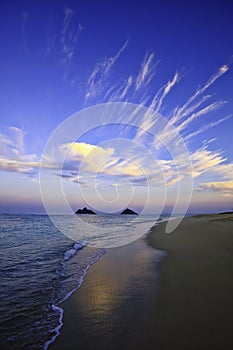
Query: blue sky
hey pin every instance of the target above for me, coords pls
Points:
(174, 57)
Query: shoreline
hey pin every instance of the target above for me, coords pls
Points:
(60, 310)
(132, 298)
(111, 302)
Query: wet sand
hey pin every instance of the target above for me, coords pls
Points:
(122, 303)
(112, 307)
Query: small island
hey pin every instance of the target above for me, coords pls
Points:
(128, 211)
(85, 211)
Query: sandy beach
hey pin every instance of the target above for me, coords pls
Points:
(130, 300)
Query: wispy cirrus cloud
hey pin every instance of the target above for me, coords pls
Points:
(133, 88)
(163, 92)
(24, 21)
(203, 111)
(146, 72)
(97, 81)
(182, 117)
(205, 162)
(206, 127)
(63, 44)
(188, 107)
(51, 38)
(69, 36)
(119, 92)
(151, 117)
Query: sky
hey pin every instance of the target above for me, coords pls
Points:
(116, 104)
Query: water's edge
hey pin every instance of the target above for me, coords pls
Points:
(60, 310)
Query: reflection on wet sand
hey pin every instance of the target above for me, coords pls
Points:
(106, 308)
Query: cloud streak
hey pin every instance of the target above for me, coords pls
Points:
(146, 72)
(97, 81)
(182, 118)
(163, 92)
(24, 20)
(206, 127)
(91, 159)
(224, 187)
(186, 109)
(63, 44)
(203, 111)
(204, 160)
(82, 162)
(69, 36)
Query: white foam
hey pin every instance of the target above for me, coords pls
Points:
(56, 330)
(80, 282)
(71, 252)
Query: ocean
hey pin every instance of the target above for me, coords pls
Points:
(41, 267)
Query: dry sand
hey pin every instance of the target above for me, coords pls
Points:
(122, 304)
(195, 304)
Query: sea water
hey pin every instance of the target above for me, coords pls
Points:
(40, 267)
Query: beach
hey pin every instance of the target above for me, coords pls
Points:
(179, 297)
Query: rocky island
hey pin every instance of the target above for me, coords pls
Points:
(128, 211)
(85, 211)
